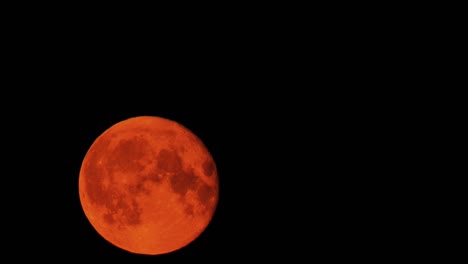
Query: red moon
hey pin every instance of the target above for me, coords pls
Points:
(148, 185)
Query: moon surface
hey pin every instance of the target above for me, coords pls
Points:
(148, 185)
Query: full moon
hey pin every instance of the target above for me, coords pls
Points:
(148, 185)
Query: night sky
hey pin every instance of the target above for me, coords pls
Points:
(306, 136)
(242, 137)
(285, 187)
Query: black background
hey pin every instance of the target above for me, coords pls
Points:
(294, 168)
(297, 147)
(257, 144)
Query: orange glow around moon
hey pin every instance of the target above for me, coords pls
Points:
(148, 185)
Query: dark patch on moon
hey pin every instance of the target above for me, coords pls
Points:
(180, 180)
(208, 167)
(123, 211)
(95, 173)
(153, 175)
(94, 177)
(139, 187)
(132, 216)
(109, 218)
(205, 193)
(121, 208)
(183, 181)
(189, 209)
(127, 154)
(169, 161)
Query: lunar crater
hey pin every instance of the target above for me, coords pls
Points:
(208, 167)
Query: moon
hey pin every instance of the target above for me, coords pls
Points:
(148, 185)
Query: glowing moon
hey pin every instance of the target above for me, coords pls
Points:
(148, 185)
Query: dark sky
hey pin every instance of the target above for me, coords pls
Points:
(285, 168)
(297, 130)
(243, 136)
